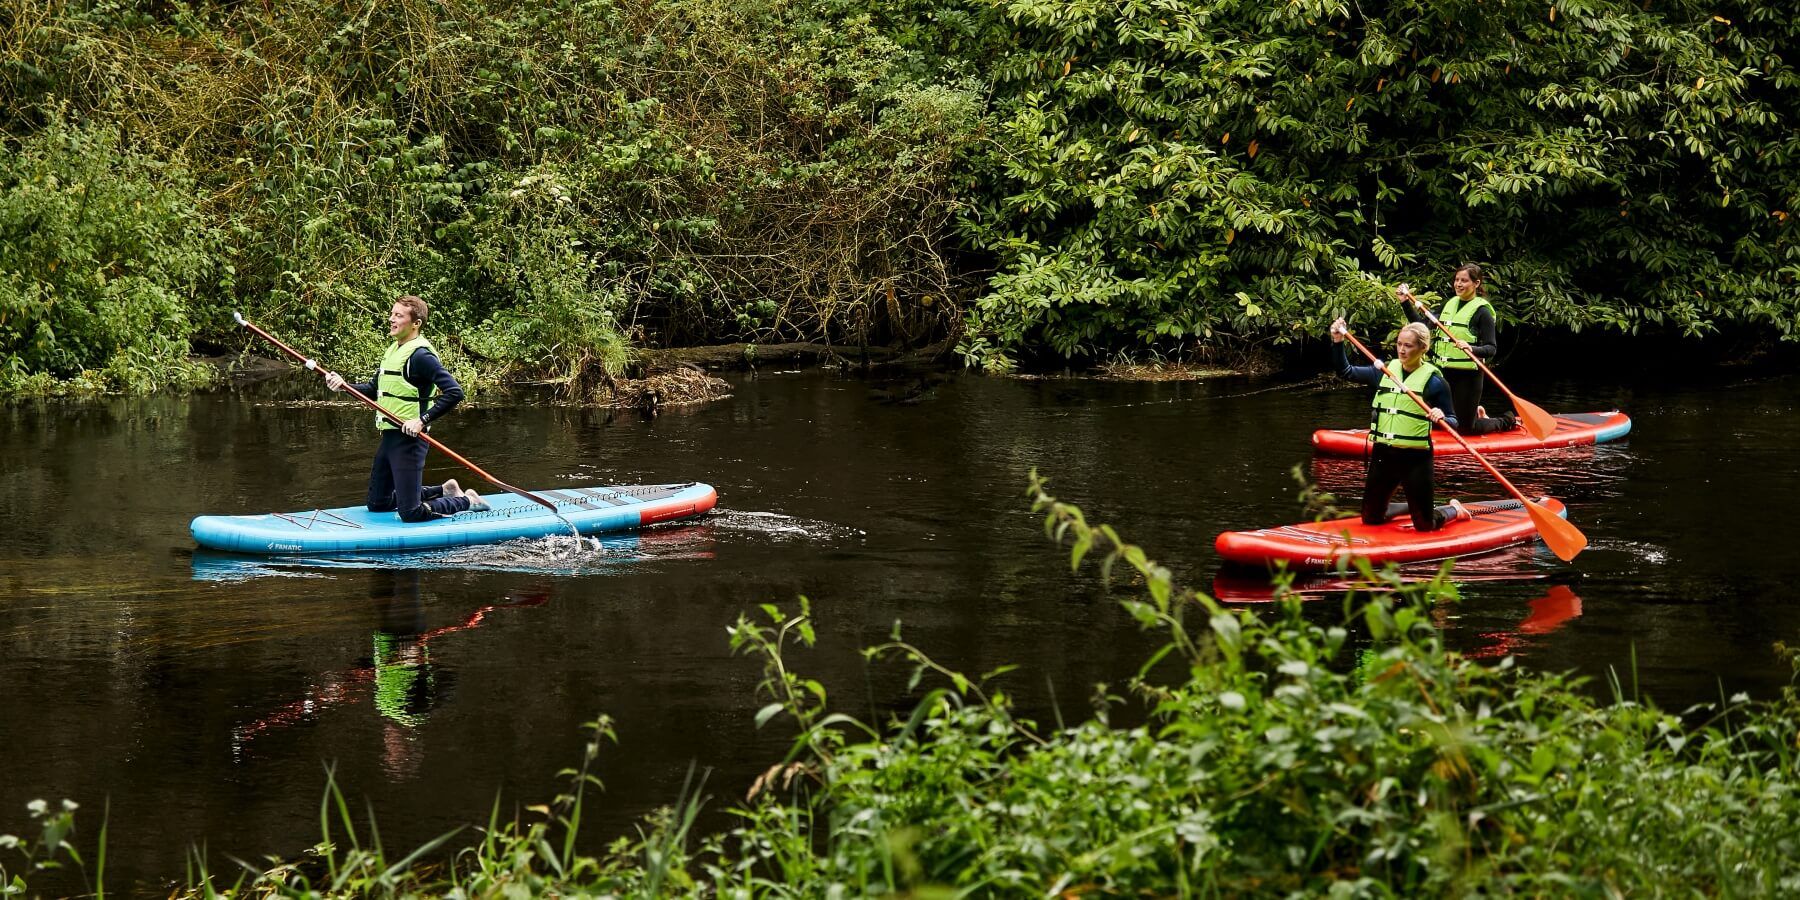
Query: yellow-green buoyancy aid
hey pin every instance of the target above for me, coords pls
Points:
(1395, 419)
(392, 391)
(1457, 316)
(402, 685)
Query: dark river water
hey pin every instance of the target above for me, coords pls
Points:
(202, 698)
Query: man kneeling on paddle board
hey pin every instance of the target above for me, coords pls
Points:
(403, 384)
(1399, 429)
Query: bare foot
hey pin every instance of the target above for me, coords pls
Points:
(1462, 512)
(476, 504)
(452, 489)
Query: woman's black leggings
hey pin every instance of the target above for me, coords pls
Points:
(1400, 467)
(1465, 393)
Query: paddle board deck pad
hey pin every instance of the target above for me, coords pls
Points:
(1572, 430)
(1321, 545)
(350, 529)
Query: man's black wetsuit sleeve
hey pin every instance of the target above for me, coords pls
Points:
(424, 369)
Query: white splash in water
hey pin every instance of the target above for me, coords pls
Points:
(1649, 553)
(779, 526)
(557, 553)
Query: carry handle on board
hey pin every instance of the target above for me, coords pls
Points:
(1539, 423)
(314, 365)
(1559, 534)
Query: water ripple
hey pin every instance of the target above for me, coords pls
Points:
(778, 526)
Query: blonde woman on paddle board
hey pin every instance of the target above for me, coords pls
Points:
(1470, 316)
(1399, 429)
(406, 376)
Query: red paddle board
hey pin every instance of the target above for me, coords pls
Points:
(1572, 429)
(1320, 545)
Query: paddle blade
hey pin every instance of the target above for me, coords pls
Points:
(1536, 421)
(1559, 534)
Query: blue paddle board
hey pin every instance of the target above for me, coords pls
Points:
(350, 529)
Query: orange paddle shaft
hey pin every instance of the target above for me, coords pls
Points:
(1560, 535)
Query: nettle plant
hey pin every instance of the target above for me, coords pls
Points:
(1280, 754)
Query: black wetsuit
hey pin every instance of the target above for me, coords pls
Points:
(1406, 468)
(395, 480)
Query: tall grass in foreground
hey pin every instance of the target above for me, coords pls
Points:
(1281, 757)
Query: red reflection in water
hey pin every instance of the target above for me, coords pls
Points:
(336, 688)
(1548, 613)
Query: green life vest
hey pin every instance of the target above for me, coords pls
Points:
(1457, 316)
(393, 392)
(1395, 420)
(402, 686)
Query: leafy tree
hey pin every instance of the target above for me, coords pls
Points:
(558, 179)
(1170, 170)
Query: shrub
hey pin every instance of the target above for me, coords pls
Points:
(103, 259)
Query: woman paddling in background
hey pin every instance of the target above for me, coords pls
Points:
(1400, 430)
(1470, 318)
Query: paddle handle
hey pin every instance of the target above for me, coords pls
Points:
(314, 366)
(1427, 408)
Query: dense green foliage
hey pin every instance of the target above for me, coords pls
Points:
(103, 249)
(1282, 757)
(1038, 178)
(558, 179)
(1172, 169)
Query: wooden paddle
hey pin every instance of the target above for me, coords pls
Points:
(314, 365)
(1561, 535)
(1539, 423)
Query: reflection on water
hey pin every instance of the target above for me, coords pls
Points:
(1599, 469)
(397, 680)
(1547, 614)
(1556, 605)
(209, 690)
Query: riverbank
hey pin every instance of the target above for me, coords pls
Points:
(660, 377)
